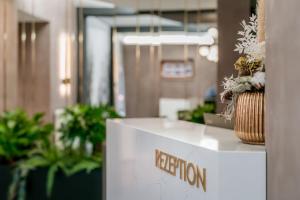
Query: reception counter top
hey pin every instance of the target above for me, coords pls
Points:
(149, 159)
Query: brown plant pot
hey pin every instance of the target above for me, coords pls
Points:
(249, 118)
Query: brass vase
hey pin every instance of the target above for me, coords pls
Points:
(249, 118)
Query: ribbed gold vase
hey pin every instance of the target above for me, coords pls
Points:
(249, 118)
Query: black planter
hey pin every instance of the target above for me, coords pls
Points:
(81, 186)
(5, 180)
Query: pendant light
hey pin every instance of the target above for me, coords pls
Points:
(23, 40)
(66, 38)
(115, 61)
(186, 47)
(160, 47)
(33, 41)
(151, 47)
(137, 57)
(152, 67)
(198, 47)
(81, 48)
(32, 68)
(185, 25)
(160, 52)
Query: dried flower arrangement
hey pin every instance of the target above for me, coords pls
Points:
(250, 67)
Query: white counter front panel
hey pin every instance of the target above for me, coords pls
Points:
(234, 171)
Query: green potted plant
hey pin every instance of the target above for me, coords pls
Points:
(84, 127)
(59, 174)
(70, 169)
(19, 134)
(244, 94)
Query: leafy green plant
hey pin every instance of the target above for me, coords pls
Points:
(197, 115)
(81, 126)
(56, 160)
(19, 134)
(84, 125)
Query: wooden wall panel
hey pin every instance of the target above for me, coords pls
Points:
(283, 99)
(34, 74)
(142, 94)
(8, 55)
(230, 15)
(2, 95)
(54, 13)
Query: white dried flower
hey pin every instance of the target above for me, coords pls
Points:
(249, 45)
(256, 52)
(258, 80)
(248, 42)
(235, 86)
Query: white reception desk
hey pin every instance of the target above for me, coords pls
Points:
(158, 159)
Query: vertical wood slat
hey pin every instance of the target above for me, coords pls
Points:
(249, 118)
(34, 70)
(8, 55)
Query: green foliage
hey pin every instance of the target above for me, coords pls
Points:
(86, 124)
(56, 160)
(26, 143)
(17, 189)
(19, 134)
(197, 115)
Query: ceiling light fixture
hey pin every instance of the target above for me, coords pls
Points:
(168, 39)
(213, 32)
(204, 51)
(94, 4)
(213, 54)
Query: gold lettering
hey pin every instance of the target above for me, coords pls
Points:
(191, 168)
(167, 162)
(182, 166)
(173, 165)
(162, 161)
(157, 158)
(188, 171)
(201, 177)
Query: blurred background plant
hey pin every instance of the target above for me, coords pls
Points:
(83, 127)
(28, 144)
(54, 160)
(20, 134)
(197, 115)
